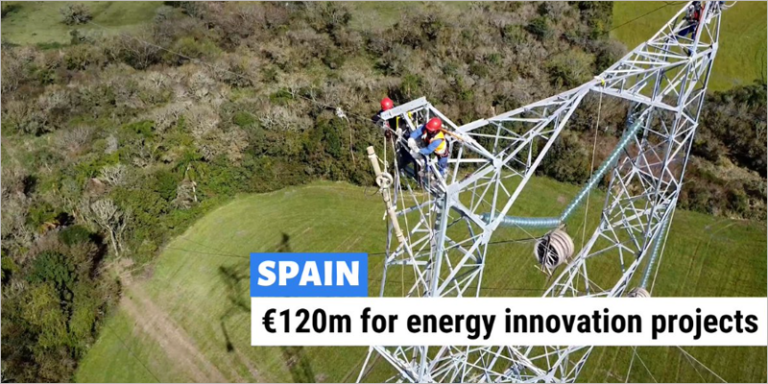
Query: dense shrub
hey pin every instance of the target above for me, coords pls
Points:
(189, 47)
(72, 14)
(48, 326)
(540, 28)
(570, 68)
(568, 159)
(734, 125)
(75, 234)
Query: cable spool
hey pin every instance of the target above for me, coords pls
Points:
(553, 249)
(638, 292)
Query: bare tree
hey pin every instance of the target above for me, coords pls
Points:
(112, 144)
(73, 141)
(108, 216)
(135, 51)
(114, 174)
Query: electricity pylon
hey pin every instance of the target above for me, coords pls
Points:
(440, 228)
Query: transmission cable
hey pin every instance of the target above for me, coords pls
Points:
(667, 4)
(688, 354)
(131, 352)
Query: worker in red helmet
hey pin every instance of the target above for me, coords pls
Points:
(431, 134)
(387, 104)
(386, 125)
(692, 20)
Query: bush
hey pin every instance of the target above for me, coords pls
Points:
(282, 97)
(334, 58)
(540, 28)
(411, 85)
(73, 14)
(244, 119)
(597, 15)
(328, 16)
(165, 185)
(143, 128)
(189, 47)
(80, 57)
(736, 121)
(9, 267)
(136, 51)
(238, 71)
(570, 68)
(41, 213)
(610, 51)
(49, 325)
(54, 268)
(75, 234)
(77, 37)
(331, 134)
(479, 69)
(567, 160)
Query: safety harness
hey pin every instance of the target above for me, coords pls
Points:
(441, 150)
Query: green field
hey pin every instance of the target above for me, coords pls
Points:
(187, 317)
(39, 22)
(741, 57)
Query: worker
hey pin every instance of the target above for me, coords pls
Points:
(431, 134)
(386, 125)
(692, 19)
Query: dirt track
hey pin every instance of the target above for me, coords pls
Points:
(155, 323)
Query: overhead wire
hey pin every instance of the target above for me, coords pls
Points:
(688, 354)
(644, 366)
(631, 362)
(667, 4)
(131, 352)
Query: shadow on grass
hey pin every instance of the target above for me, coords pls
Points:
(236, 278)
(9, 8)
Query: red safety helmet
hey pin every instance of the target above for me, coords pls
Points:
(386, 104)
(434, 124)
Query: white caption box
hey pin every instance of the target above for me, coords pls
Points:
(338, 322)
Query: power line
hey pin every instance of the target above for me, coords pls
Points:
(667, 4)
(130, 351)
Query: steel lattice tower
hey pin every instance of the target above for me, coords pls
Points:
(440, 233)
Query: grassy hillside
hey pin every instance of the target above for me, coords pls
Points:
(188, 317)
(39, 22)
(742, 55)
